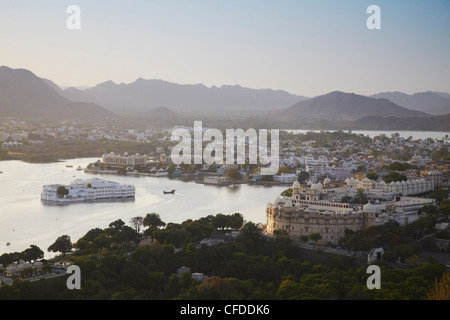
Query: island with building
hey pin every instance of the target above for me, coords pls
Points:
(87, 190)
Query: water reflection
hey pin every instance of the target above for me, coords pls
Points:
(25, 220)
(62, 204)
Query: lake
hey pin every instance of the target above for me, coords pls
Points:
(24, 220)
(416, 135)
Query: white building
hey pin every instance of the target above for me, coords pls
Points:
(115, 160)
(311, 161)
(11, 144)
(285, 177)
(340, 173)
(215, 180)
(404, 188)
(87, 190)
(434, 175)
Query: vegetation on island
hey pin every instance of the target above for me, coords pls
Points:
(62, 191)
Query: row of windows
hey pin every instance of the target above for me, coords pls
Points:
(323, 221)
(322, 203)
(306, 229)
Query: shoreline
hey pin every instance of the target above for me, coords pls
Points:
(189, 178)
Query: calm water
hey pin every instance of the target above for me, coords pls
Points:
(24, 220)
(405, 134)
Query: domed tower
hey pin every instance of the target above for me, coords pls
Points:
(295, 188)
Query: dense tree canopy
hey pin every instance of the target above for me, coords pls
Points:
(251, 266)
(62, 244)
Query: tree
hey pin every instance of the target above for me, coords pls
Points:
(398, 166)
(171, 168)
(125, 235)
(236, 221)
(284, 169)
(32, 253)
(62, 191)
(62, 244)
(137, 223)
(92, 234)
(287, 193)
(197, 230)
(314, 237)
(441, 289)
(303, 176)
(430, 209)
(251, 237)
(117, 225)
(439, 194)
(445, 209)
(102, 241)
(153, 220)
(440, 154)
(361, 197)
(303, 238)
(346, 199)
(234, 175)
(220, 221)
(394, 176)
(358, 243)
(372, 176)
(282, 244)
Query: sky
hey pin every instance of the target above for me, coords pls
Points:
(308, 47)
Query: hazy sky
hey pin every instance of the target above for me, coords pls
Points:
(305, 47)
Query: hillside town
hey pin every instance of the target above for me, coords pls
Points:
(313, 156)
(343, 166)
(340, 186)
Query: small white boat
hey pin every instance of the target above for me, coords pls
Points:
(79, 168)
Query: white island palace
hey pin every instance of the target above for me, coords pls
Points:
(87, 190)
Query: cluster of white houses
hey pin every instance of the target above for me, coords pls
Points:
(11, 144)
(385, 191)
(316, 208)
(87, 190)
(16, 269)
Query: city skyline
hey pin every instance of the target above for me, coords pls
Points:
(307, 48)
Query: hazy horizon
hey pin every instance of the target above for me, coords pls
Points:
(81, 87)
(306, 48)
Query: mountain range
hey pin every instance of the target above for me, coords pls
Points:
(24, 95)
(143, 94)
(430, 102)
(339, 106)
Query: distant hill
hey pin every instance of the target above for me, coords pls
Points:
(340, 106)
(142, 95)
(160, 115)
(429, 102)
(443, 94)
(23, 95)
